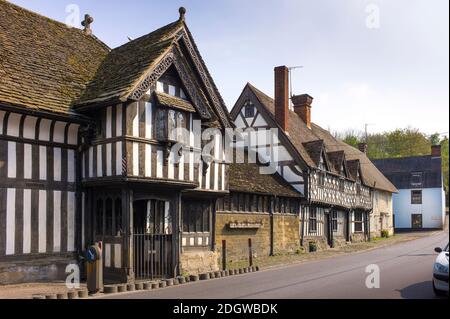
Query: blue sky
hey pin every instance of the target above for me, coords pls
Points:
(391, 76)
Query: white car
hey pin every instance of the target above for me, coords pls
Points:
(440, 272)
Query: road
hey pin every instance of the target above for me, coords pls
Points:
(405, 272)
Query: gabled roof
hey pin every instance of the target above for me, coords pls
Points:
(44, 65)
(124, 67)
(299, 134)
(399, 170)
(246, 177)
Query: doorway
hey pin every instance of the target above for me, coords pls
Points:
(152, 239)
(416, 221)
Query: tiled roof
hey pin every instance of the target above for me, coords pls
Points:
(399, 170)
(246, 177)
(299, 134)
(124, 67)
(44, 64)
(173, 101)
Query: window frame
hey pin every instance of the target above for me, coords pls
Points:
(415, 199)
(312, 220)
(358, 222)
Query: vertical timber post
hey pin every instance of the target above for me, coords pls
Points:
(224, 255)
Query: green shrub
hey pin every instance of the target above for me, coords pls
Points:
(312, 247)
(384, 233)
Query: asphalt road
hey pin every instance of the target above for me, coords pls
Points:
(405, 272)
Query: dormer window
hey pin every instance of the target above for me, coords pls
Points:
(169, 125)
(343, 173)
(416, 179)
(322, 164)
(249, 109)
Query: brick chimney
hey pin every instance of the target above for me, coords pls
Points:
(435, 151)
(282, 96)
(363, 147)
(302, 106)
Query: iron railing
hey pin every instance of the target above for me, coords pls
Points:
(152, 256)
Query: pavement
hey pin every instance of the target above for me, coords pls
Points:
(405, 272)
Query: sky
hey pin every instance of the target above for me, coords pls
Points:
(381, 62)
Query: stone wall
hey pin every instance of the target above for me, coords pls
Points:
(237, 238)
(199, 261)
(319, 241)
(381, 217)
(286, 233)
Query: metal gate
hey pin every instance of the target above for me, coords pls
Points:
(152, 256)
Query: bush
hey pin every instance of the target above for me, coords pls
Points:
(384, 234)
(312, 247)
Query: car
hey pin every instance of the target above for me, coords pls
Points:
(440, 272)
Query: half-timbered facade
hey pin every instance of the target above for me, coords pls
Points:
(104, 145)
(335, 180)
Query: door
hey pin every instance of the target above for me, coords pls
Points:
(327, 229)
(416, 221)
(152, 239)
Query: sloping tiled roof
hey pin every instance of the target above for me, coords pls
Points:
(399, 170)
(44, 65)
(299, 133)
(173, 101)
(125, 66)
(246, 177)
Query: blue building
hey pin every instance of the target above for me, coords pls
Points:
(420, 202)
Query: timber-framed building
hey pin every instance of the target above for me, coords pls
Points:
(336, 181)
(87, 136)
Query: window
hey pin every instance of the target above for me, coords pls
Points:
(416, 197)
(358, 222)
(196, 216)
(118, 217)
(99, 217)
(158, 220)
(322, 164)
(249, 109)
(416, 179)
(334, 221)
(313, 220)
(108, 217)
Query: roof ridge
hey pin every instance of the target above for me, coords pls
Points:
(48, 19)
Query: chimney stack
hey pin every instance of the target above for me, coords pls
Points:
(435, 151)
(86, 23)
(302, 106)
(363, 147)
(282, 96)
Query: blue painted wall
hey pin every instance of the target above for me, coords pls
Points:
(432, 208)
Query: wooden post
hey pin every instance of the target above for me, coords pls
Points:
(224, 255)
(250, 254)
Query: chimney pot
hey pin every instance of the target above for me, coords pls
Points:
(363, 147)
(436, 151)
(302, 106)
(282, 96)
